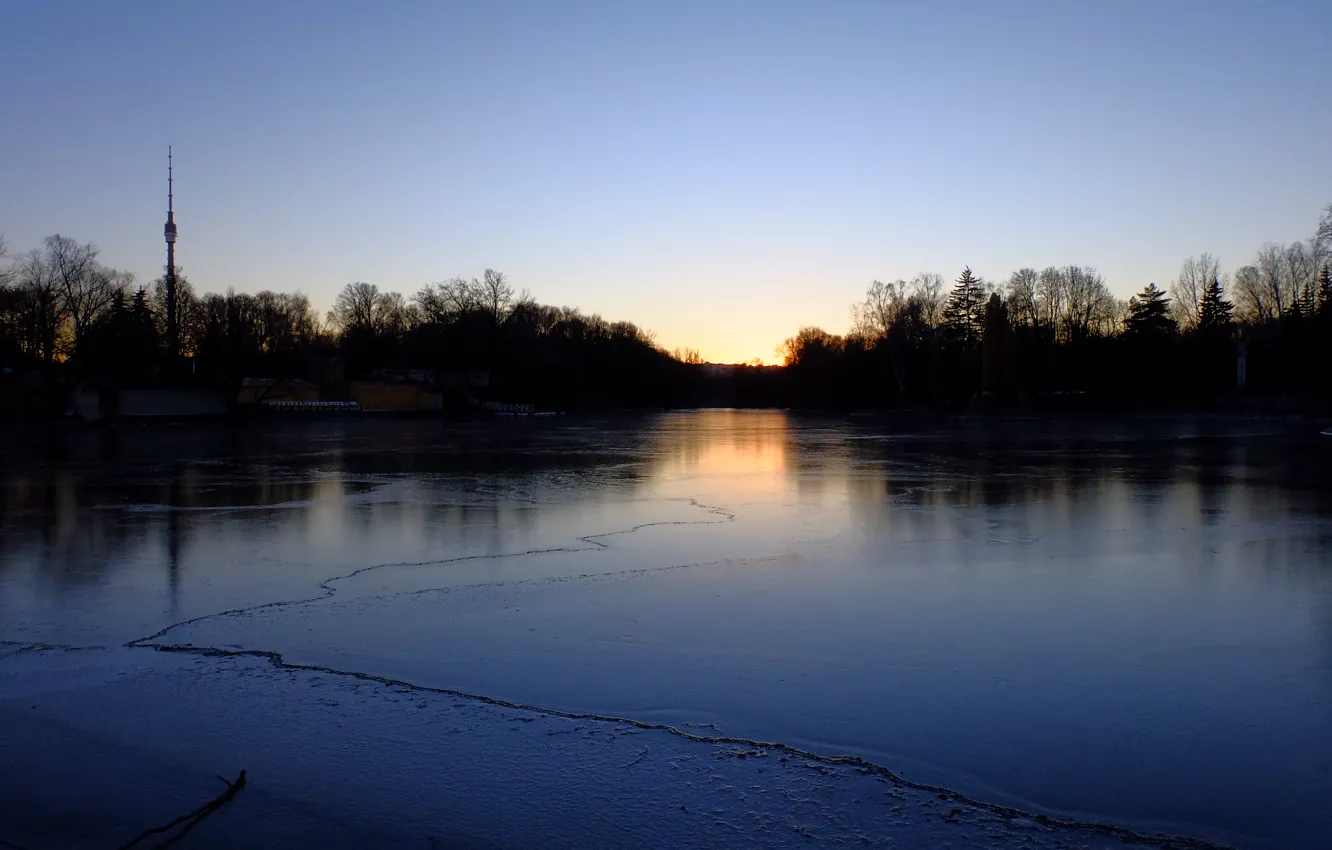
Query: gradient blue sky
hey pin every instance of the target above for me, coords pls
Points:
(720, 173)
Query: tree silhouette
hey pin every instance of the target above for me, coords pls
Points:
(1149, 314)
(1325, 292)
(123, 341)
(86, 286)
(1186, 293)
(186, 303)
(997, 379)
(1214, 311)
(359, 308)
(810, 347)
(964, 313)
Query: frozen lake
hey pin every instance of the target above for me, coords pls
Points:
(1123, 622)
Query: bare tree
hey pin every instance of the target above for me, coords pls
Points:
(450, 300)
(1186, 292)
(361, 308)
(394, 315)
(40, 307)
(304, 317)
(441, 301)
(1021, 297)
(1271, 267)
(1251, 297)
(1322, 240)
(10, 299)
(884, 303)
(927, 289)
(1087, 302)
(1286, 277)
(283, 321)
(497, 295)
(1071, 301)
(447, 300)
(875, 319)
(87, 287)
(1050, 297)
(355, 308)
(1113, 318)
(1301, 275)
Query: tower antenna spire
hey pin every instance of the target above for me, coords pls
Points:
(172, 334)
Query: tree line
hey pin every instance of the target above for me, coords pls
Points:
(66, 316)
(1052, 333)
(1059, 333)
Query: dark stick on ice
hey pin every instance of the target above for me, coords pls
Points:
(192, 818)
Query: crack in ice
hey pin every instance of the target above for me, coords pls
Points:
(19, 647)
(594, 544)
(276, 659)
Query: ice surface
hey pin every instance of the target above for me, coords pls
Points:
(337, 761)
(1131, 628)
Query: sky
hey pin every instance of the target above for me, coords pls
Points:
(720, 173)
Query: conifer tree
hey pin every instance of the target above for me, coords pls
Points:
(964, 313)
(1296, 311)
(1309, 299)
(1149, 314)
(1214, 311)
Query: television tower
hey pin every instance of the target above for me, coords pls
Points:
(170, 231)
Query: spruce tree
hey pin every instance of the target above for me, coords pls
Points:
(1309, 300)
(140, 307)
(1296, 311)
(1149, 314)
(964, 312)
(1214, 311)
